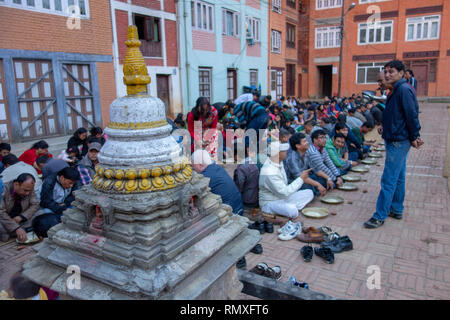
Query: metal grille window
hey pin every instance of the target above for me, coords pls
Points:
(327, 4)
(276, 41)
(273, 80)
(423, 28)
(70, 8)
(290, 35)
(376, 33)
(205, 82)
(231, 22)
(79, 97)
(202, 15)
(36, 97)
(328, 37)
(367, 73)
(276, 6)
(231, 83)
(279, 84)
(254, 78)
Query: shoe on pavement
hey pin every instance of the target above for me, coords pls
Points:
(339, 245)
(268, 227)
(241, 264)
(257, 225)
(291, 232)
(293, 282)
(273, 273)
(287, 225)
(325, 253)
(257, 249)
(397, 216)
(373, 223)
(307, 253)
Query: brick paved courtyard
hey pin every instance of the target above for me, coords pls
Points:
(413, 254)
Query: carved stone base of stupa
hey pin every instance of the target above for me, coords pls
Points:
(206, 269)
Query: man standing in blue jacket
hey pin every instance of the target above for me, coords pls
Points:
(400, 130)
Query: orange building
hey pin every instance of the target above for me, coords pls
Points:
(284, 78)
(56, 67)
(375, 32)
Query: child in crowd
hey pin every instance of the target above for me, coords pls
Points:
(20, 288)
(69, 155)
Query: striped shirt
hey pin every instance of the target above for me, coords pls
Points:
(320, 160)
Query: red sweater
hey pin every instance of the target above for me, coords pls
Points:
(30, 156)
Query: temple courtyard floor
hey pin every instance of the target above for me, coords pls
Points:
(412, 254)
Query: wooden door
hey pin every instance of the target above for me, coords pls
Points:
(162, 84)
(232, 84)
(421, 74)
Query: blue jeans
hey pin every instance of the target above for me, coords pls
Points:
(314, 189)
(392, 193)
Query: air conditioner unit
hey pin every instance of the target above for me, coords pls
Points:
(250, 41)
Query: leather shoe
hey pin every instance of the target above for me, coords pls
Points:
(307, 253)
(325, 253)
(257, 249)
(257, 225)
(339, 245)
(397, 216)
(268, 227)
(310, 237)
(242, 263)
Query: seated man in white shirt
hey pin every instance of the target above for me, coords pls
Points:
(276, 196)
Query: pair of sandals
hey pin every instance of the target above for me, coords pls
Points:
(264, 270)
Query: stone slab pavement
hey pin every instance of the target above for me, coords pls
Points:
(413, 254)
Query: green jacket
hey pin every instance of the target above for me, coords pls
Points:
(335, 154)
(357, 132)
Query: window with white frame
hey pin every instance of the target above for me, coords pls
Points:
(328, 4)
(254, 78)
(231, 23)
(328, 37)
(378, 32)
(276, 41)
(205, 82)
(423, 28)
(70, 8)
(276, 6)
(202, 15)
(367, 73)
(253, 28)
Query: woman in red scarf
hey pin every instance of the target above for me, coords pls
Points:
(37, 150)
(208, 116)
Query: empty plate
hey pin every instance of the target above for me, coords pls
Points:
(332, 199)
(348, 187)
(359, 169)
(315, 212)
(382, 148)
(351, 177)
(369, 161)
(375, 155)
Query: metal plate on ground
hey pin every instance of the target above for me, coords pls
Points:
(332, 199)
(360, 169)
(315, 212)
(369, 161)
(351, 177)
(381, 143)
(375, 155)
(380, 148)
(348, 186)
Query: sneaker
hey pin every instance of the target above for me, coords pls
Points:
(293, 282)
(307, 253)
(288, 224)
(397, 216)
(241, 264)
(339, 245)
(257, 225)
(373, 223)
(291, 233)
(325, 253)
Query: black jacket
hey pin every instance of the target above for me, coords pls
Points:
(75, 141)
(401, 116)
(47, 200)
(246, 178)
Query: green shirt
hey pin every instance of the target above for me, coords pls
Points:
(357, 132)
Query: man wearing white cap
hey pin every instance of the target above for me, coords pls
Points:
(276, 196)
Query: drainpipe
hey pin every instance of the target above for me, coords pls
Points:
(186, 52)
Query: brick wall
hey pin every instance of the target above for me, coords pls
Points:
(231, 45)
(152, 4)
(171, 43)
(107, 87)
(169, 6)
(203, 40)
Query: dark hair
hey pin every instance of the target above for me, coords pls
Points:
(270, 97)
(42, 159)
(368, 125)
(9, 160)
(300, 112)
(339, 126)
(296, 139)
(23, 288)
(310, 123)
(341, 117)
(5, 146)
(396, 64)
(95, 131)
(339, 135)
(282, 98)
(69, 173)
(24, 177)
(200, 102)
(79, 131)
(317, 133)
(352, 110)
(409, 70)
(284, 133)
(72, 150)
(40, 145)
(308, 102)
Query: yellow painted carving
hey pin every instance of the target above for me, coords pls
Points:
(109, 173)
(131, 185)
(131, 174)
(157, 182)
(169, 180)
(120, 174)
(167, 170)
(144, 173)
(156, 172)
(119, 185)
(144, 184)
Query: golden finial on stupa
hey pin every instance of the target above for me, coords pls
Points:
(135, 71)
